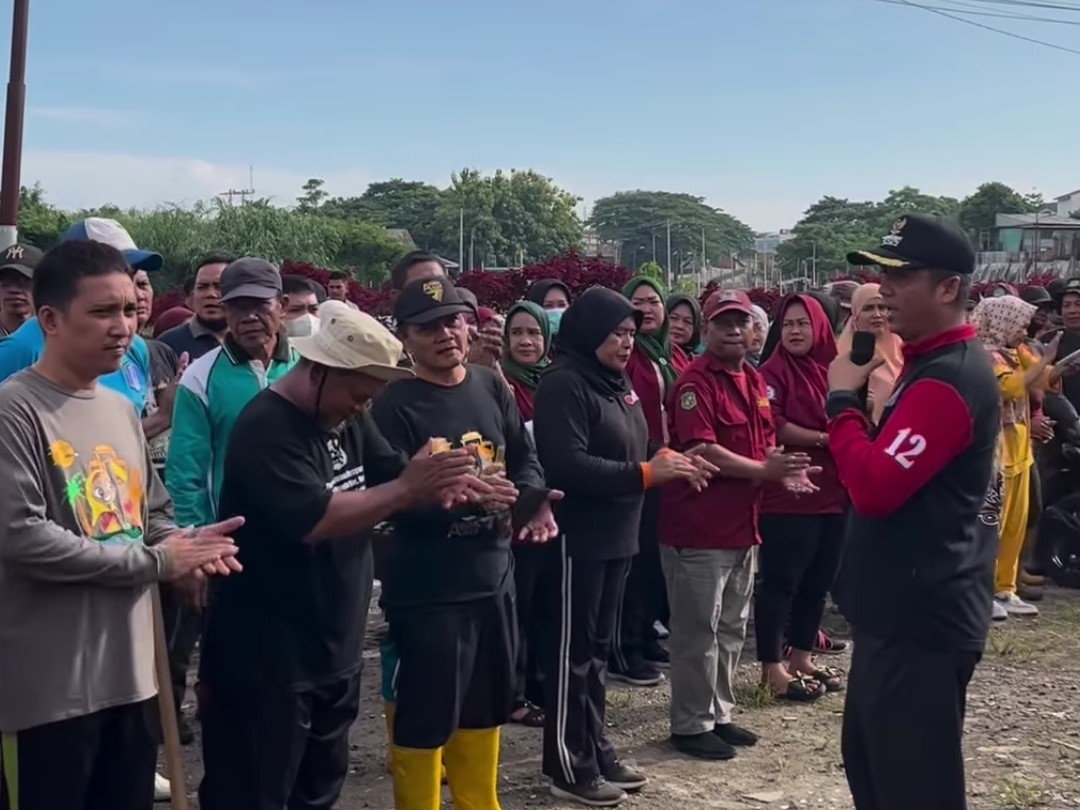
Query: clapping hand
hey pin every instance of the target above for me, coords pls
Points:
(542, 527)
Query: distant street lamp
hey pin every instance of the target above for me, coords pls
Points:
(13, 127)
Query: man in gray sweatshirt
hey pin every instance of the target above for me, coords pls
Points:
(86, 530)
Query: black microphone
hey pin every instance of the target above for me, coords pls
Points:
(863, 346)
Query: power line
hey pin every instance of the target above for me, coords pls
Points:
(985, 27)
(971, 12)
(1058, 6)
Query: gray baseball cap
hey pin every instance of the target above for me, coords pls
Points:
(250, 277)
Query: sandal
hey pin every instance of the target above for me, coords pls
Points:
(829, 677)
(532, 718)
(827, 645)
(802, 690)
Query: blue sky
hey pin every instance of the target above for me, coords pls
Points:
(760, 106)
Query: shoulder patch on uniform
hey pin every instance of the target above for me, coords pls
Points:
(688, 399)
(770, 393)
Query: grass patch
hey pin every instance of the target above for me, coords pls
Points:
(1020, 645)
(751, 695)
(1020, 794)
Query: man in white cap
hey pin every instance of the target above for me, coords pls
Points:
(281, 655)
(25, 345)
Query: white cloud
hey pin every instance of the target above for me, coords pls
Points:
(93, 116)
(84, 179)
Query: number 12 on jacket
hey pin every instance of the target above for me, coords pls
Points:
(906, 447)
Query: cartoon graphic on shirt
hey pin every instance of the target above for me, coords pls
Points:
(105, 493)
(487, 454)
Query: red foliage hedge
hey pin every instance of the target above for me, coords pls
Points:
(499, 290)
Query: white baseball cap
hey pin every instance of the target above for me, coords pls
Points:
(354, 341)
(111, 232)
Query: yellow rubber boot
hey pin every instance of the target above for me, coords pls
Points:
(472, 768)
(388, 710)
(417, 782)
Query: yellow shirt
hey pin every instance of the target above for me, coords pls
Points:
(1016, 453)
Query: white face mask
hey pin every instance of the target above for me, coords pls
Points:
(307, 324)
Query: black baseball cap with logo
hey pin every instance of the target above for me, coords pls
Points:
(250, 277)
(919, 242)
(428, 299)
(1039, 296)
(22, 258)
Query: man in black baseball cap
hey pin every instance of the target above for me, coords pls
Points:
(923, 532)
(448, 589)
(16, 272)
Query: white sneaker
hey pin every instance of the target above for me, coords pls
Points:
(999, 613)
(162, 788)
(1016, 606)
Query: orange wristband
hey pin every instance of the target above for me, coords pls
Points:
(646, 475)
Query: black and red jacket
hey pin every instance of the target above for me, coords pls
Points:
(919, 561)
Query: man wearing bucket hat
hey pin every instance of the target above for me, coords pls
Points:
(23, 348)
(281, 656)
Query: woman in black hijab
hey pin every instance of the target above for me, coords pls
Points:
(549, 293)
(593, 442)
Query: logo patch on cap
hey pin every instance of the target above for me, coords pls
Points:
(729, 295)
(14, 252)
(433, 289)
(895, 236)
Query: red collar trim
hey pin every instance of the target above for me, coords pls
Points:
(950, 337)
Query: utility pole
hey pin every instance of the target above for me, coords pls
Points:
(668, 270)
(814, 259)
(461, 241)
(13, 126)
(704, 258)
(654, 247)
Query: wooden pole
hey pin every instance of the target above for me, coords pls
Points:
(170, 732)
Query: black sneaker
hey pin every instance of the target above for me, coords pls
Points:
(637, 674)
(657, 655)
(597, 793)
(734, 735)
(625, 778)
(702, 746)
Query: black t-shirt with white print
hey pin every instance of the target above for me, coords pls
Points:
(440, 557)
(295, 617)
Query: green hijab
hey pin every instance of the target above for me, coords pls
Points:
(656, 347)
(677, 299)
(529, 376)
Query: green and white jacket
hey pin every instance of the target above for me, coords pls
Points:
(211, 394)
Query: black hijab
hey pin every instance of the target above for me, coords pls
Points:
(540, 288)
(584, 327)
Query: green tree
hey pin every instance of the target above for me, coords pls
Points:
(978, 212)
(40, 223)
(313, 196)
(509, 218)
(638, 220)
(834, 226)
(394, 203)
(652, 270)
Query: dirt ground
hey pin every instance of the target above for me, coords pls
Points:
(1022, 743)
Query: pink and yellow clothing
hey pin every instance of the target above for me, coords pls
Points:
(889, 346)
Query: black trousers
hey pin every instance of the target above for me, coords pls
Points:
(799, 556)
(183, 627)
(903, 725)
(645, 595)
(101, 760)
(536, 583)
(276, 748)
(576, 747)
(455, 668)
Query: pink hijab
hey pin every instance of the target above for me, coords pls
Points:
(889, 346)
